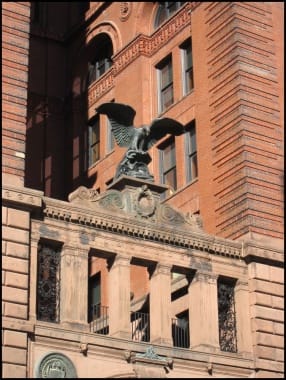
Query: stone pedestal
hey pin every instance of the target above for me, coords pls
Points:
(160, 306)
(119, 298)
(138, 196)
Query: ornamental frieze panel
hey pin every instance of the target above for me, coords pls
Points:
(137, 213)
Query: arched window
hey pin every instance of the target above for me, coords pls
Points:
(166, 10)
(101, 57)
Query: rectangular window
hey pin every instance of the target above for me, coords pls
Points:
(187, 66)
(191, 152)
(165, 79)
(48, 283)
(226, 315)
(168, 163)
(93, 141)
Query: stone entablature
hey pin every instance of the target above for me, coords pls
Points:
(145, 219)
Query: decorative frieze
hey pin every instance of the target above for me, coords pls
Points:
(116, 220)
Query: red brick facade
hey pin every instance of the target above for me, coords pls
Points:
(237, 104)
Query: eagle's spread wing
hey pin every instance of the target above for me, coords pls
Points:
(121, 118)
(161, 127)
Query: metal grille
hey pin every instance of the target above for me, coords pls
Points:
(100, 320)
(140, 323)
(226, 312)
(48, 284)
(180, 332)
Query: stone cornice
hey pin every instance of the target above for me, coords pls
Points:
(140, 229)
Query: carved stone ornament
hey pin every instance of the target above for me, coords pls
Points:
(111, 200)
(56, 365)
(148, 356)
(83, 193)
(145, 204)
(125, 10)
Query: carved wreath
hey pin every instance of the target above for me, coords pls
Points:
(145, 202)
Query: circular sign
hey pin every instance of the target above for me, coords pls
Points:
(56, 365)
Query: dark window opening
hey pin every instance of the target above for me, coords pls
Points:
(226, 315)
(101, 61)
(180, 330)
(48, 283)
(93, 141)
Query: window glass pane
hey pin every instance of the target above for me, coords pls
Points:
(193, 167)
(188, 57)
(192, 140)
(166, 75)
(167, 97)
(189, 80)
(170, 178)
(169, 156)
(94, 134)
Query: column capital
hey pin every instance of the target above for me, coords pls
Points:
(205, 277)
(118, 260)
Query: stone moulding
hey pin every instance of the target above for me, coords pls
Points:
(139, 229)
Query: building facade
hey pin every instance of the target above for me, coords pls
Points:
(177, 277)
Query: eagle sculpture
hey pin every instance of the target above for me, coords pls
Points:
(136, 140)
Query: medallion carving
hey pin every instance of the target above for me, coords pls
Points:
(56, 365)
(125, 10)
(144, 202)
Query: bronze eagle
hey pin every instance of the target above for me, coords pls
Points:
(137, 140)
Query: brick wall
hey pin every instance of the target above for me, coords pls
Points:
(15, 35)
(245, 118)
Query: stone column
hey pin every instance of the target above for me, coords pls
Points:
(242, 315)
(74, 287)
(203, 312)
(160, 305)
(119, 298)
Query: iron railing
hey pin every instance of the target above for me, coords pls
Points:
(180, 333)
(140, 323)
(100, 319)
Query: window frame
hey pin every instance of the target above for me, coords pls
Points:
(173, 167)
(186, 68)
(191, 153)
(163, 87)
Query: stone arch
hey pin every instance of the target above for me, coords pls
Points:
(145, 16)
(109, 28)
